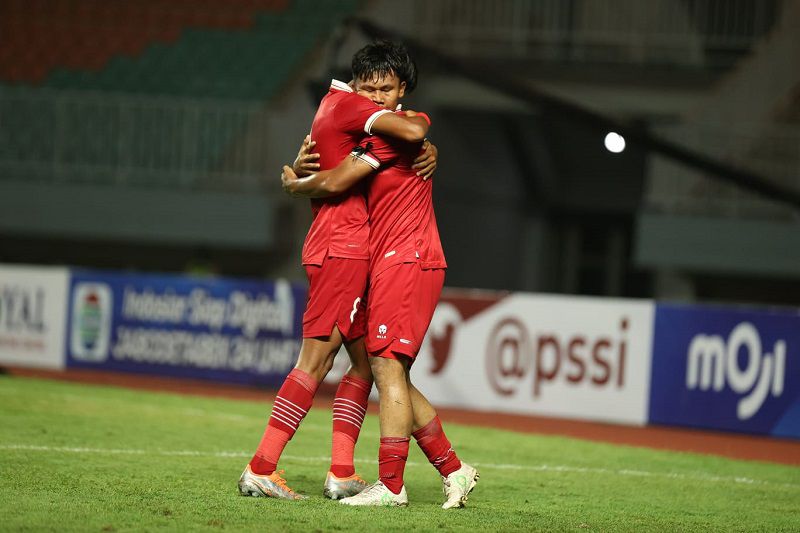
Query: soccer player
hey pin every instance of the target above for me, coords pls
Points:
(407, 267)
(335, 256)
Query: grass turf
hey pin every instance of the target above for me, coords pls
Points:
(93, 458)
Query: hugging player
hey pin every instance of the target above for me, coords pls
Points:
(406, 275)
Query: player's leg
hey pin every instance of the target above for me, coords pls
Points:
(291, 405)
(395, 418)
(390, 302)
(428, 432)
(458, 478)
(349, 409)
(334, 286)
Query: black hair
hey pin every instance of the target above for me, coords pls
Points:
(382, 58)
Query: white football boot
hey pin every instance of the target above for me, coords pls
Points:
(378, 494)
(458, 485)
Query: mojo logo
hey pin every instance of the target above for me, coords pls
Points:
(91, 322)
(512, 353)
(711, 362)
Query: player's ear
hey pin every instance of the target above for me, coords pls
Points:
(402, 89)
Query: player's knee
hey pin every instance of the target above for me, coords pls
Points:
(362, 371)
(387, 372)
(316, 363)
(359, 362)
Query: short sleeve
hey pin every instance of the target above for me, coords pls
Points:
(376, 152)
(357, 114)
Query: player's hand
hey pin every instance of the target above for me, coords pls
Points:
(425, 163)
(287, 177)
(306, 163)
(410, 113)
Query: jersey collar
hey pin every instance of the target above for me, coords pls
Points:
(340, 86)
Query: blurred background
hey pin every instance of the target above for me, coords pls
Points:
(148, 135)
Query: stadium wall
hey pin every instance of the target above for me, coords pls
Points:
(633, 362)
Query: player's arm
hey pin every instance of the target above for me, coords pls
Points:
(306, 162)
(409, 127)
(361, 114)
(426, 162)
(326, 183)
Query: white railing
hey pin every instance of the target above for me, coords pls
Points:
(132, 140)
(773, 154)
(691, 32)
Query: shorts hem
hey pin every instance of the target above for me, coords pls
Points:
(394, 346)
(320, 332)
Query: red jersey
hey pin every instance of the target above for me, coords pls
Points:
(402, 222)
(340, 227)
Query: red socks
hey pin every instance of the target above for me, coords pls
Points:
(437, 448)
(392, 456)
(291, 405)
(349, 408)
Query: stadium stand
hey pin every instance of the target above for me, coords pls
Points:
(151, 93)
(238, 50)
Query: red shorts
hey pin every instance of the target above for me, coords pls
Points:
(400, 306)
(335, 298)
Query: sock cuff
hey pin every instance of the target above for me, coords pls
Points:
(395, 440)
(355, 381)
(344, 435)
(434, 427)
(304, 380)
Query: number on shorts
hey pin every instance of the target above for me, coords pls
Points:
(355, 308)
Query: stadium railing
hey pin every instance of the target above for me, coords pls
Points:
(701, 32)
(132, 140)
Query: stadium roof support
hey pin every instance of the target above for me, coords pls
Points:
(515, 87)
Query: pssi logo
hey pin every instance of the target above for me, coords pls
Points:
(512, 353)
(712, 362)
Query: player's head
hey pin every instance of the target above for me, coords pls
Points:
(384, 72)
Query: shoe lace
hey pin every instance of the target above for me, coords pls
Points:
(278, 480)
(375, 487)
(447, 481)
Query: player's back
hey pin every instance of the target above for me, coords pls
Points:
(402, 220)
(340, 227)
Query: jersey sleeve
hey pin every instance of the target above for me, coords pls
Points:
(357, 114)
(376, 151)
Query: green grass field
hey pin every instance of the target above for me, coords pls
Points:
(91, 458)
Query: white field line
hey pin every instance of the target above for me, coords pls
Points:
(710, 478)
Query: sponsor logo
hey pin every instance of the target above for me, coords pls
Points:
(91, 322)
(382, 329)
(22, 309)
(712, 362)
(512, 353)
(450, 315)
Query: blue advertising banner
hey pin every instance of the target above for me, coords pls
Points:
(215, 328)
(727, 369)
